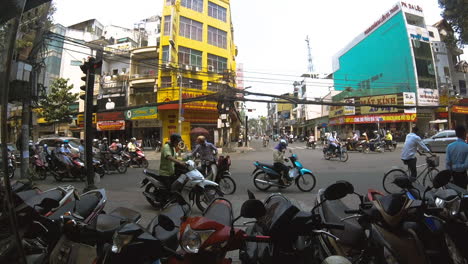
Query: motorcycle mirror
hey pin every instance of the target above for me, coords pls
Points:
(165, 222)
(338, 190)
(48, 204)
(441, 179)
(253, 209)
(250, 194)
(403, 182)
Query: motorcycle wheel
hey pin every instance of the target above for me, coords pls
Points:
(122, 168)
(204, 199)
(344, 156)
(306, 182)
(381, 150)
(100, 171)
(326, 155)
(57, 176)
(11, 172)
(261, 176)
(366, 150)
(227, 185)
(150, 188)
(144, 163)
(41, 173)
(313, 146)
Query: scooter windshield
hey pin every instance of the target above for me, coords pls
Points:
(219, 211)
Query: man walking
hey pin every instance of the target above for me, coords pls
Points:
(457, 158)
(408, 154)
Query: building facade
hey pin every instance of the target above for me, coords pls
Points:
(390, 63)
(196, 58)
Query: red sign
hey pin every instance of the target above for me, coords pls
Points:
(368, 119)
(110, 125)
(110, 116)
(442, 115)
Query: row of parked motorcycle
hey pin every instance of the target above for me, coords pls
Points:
(45, 162)
(416, 225)
(371, 146)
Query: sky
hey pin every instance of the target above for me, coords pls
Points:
(270, 34)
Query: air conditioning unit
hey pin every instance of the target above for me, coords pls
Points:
(188, 68)
(210, 68)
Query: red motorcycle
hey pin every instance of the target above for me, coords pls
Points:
(207, 238)
(138, 160)
(39, 167)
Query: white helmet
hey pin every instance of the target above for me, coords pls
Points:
(283, 143)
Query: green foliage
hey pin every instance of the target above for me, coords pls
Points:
(456, 13)
(55, 104)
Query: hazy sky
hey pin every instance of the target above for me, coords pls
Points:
(270, 34)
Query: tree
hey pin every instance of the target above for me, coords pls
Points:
(55, 104)
(456, 13)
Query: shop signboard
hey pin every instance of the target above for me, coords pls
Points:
(110, 125)
(168, 96)
(150, 112)
(428, 97)
(336, 111)
(110, 116)
(460, 109)
(80, 120)
(383, 118)
(349, 110)
(409, 99)
(390, 99)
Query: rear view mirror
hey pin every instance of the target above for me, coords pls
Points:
(403, 182)
(253, 209)
(441, 179)
(338, 190)
(165, 222)
(48, 204)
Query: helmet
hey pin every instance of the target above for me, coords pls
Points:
(116, 140)
(364, 134)
(104, 139)
(133, 139)
(283, 143)
(175, 138)
(66, 141)
(201, 139)
(388, 131)
(375, 131)
(95, 140)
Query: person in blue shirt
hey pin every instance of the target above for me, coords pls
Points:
(457, 158)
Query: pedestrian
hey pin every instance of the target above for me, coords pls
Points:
(168, 161)
(457, 158)
(408, 154)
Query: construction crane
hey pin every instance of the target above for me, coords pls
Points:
(310, 66)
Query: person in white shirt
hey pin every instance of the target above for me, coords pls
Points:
(333, 141)
(408, 154)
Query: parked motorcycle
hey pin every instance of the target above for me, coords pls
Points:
(61, 194)
(195, 189)
(208, 238)
(265, 176)
(291, 230)
(342, 153)
(223, 177)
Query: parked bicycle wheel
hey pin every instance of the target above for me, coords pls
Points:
(388, 179)
(431, 173)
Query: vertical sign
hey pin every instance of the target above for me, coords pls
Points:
(409, 99)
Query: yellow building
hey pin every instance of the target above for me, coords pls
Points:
(196, 56)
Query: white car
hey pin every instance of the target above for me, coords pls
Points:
(440, 141)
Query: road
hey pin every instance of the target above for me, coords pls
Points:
(364, 171)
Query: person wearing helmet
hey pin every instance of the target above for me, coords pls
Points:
(333, 142)
(207, 152)
(279, 161)
(132, 148)
(64, 155)
(114, 147)
(168, 159)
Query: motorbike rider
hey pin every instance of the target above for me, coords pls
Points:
(375, 140)
(278, 161)
(354, 139)
(114, 147)
(63, 153)
(266, 140)
(388, 138)
(132, 147)
(168, 161)
(311, 140)
(207, 152)
(333, 143)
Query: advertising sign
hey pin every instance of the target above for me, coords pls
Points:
(385, 118)
(150, 112)
(409, 99)
(460, 109)
(349, 110)
(110, 125)
(168, 96)
(147, 123)
(428, 97)
(336, 111)
(390, 99)
(80, 120)
(110, 116)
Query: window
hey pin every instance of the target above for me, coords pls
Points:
(189, 57)
(440, 135)
(462, 84)
(165, 54)
(216, 11)
(191, 83)
(167, 25)
(451, 134)
(447, 72)
(115, 71)
(190, 29)
(215, 87)
(431, 34)
(196, 5)
(166, 81)
(217, 37)
(170, 2)
(218, 63)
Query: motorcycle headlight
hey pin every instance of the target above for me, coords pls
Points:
(120, 241)
(193, 239)
(451, 207)
(439, 203)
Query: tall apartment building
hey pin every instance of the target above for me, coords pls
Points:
(196, 57)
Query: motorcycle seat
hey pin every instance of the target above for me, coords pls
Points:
(175, 212)
(25, 195)
(353, 234)
(266, 165)
(392, 203)
(447, 194)
(84, 207)
(34, 200)
(126, 214)
(106, 225)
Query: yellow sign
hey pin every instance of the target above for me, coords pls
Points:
(460, 109)
(80, 119)
(379, 100)
(336, 111)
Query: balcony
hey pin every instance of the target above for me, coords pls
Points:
(144, 77)
(144, 53)
(144, 67)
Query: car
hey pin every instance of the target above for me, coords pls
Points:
(440, 141)
(52, 142)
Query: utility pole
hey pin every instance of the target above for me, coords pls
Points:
(181, 118)
(246, 130)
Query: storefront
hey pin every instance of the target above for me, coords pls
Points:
(145, 124)
(113, 126)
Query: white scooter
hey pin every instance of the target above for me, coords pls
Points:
(191, 184)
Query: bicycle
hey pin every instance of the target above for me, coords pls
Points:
(428, 174)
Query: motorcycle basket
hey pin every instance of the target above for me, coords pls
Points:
(433, 161)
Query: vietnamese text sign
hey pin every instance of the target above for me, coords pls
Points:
(409, 99)
(110, 116)
(460, 109)
(142, 113)
(390, 99)
(428, 97)
(349, 110)
(367, 119)
(110, 125)
(80, 119)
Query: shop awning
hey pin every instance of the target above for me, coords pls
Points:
(438, 121)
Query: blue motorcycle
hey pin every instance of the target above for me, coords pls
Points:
(265, 176)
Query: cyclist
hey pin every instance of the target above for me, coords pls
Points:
(408, 154)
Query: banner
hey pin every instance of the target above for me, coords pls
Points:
(388, 118)
(390, 99)
(110, 125)
(142, 113)
(110, 116)
(409, 99)
(80, 120)
(428, 97)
